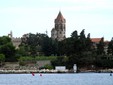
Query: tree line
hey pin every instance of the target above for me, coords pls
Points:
(76, 49)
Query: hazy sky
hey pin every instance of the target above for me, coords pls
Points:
(24, 16)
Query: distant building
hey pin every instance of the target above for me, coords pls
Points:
(96, 41)
(58, 32)
(16, 41)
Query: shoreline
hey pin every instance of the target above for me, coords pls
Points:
(51, 71)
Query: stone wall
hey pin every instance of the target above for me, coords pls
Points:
(42, 63)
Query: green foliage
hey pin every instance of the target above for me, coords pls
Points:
(2, 59)
(24, 60)
(29, 59)
(74, 35)
(72, 59)
(37, 44)
(45, 58)
(59, 61)
(9, 51)
(103, 62)
(82, 60)
(100, 47)
(110, 47)
(4, 40)
(48, 66)
(78, 48)
(7, 48)
(66, 47)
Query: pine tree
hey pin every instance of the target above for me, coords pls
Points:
(110, 47)
(100, 47)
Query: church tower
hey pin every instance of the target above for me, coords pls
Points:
(58, 32)
(10, 35)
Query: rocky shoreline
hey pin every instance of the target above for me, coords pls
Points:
(52, 71)
(31, 71)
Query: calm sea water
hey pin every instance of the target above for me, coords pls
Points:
(57, 79)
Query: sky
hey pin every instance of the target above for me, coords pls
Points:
(37, 16)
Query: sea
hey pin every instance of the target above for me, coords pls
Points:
(57, 79)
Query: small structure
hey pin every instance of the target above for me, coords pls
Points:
(60, 68)
(75, 68)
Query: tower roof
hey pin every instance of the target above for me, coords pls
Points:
(60, 17)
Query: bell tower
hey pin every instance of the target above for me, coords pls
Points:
(58, 32)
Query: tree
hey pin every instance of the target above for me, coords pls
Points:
(7, 48)
(82, 34)
(22, 51)
(74, 35)
(39, 44)
(59, 61)
(46, 44)
(75, 42)
(72, 59)
(9, 51)
(110, 47)
(82, 44)
(88, 43)
(67, 47)
(100, 47)
(30, 45)
(4, 40)
(81, 50)
(2, 59)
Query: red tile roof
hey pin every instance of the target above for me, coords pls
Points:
(60, 17)
(96, 40)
